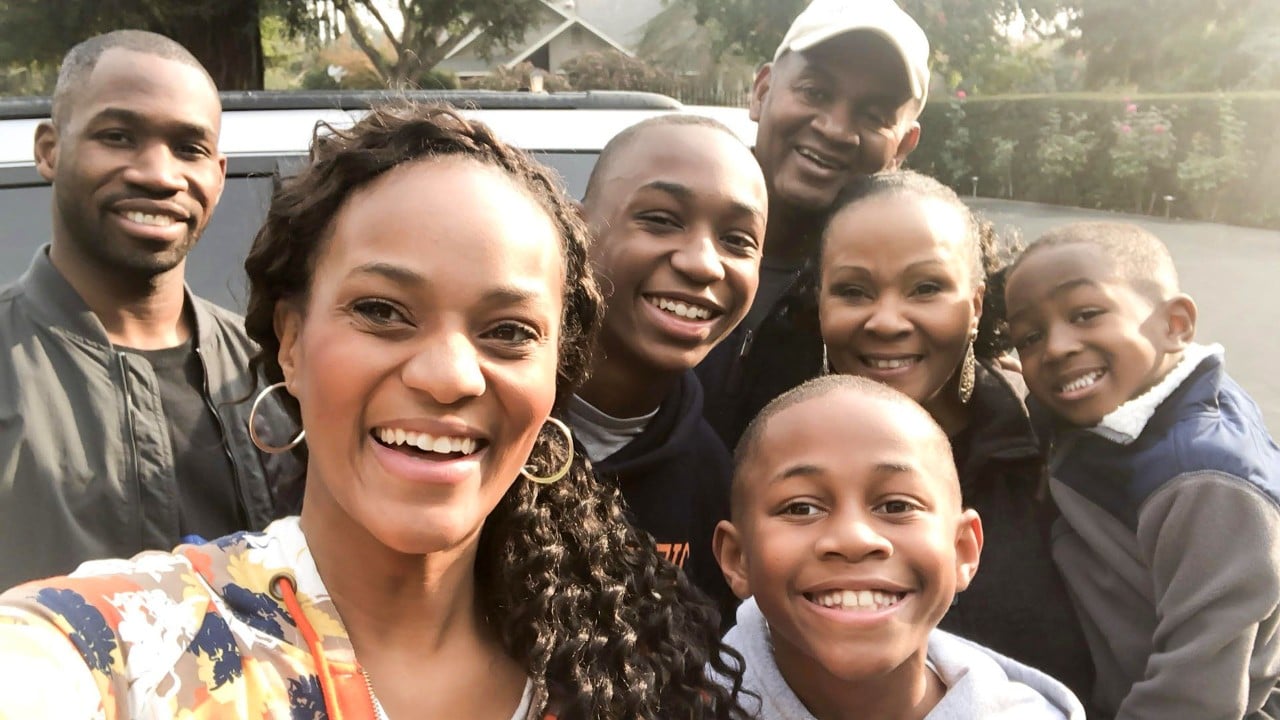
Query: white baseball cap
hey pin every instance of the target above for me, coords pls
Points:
(825, 19)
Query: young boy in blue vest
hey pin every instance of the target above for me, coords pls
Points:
(1165, 475)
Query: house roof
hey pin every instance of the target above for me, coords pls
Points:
(569, 20)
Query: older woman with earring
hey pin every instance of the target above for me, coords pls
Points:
(905, 270)
(421, 296)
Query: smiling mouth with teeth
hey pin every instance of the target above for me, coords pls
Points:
(142, 218)
(1082, 382)
(890, 363)
(686, 311)
(866, 600)
(423, 443)
(817, 159)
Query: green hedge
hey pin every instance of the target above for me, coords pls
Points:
(961, 138)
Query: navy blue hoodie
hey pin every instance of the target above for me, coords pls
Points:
(675, 478)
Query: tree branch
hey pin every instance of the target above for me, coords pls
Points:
(362, 40)
(382, 23)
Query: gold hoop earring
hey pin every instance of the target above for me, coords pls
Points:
(568, 461)
(253, 428)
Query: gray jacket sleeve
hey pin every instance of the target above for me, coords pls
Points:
(1212, 543)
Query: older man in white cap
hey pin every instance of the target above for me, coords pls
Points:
(839, 100)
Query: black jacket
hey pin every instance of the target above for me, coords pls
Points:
(1017, 603)
(675, 478)
(750, 368)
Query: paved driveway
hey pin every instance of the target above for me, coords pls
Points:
(1232, 272)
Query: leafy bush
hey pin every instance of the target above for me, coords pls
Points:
(516, 78)
(32, 78)
(1063, 151)
(1253, 198)
(1143, 146)
(1000, 164)
(953, 163)
(613, 70)
(1211, 167)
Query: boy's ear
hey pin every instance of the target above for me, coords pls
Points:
(968, 547)
(287, 321)
(727, 546)
(759, 90)
(1180, 322)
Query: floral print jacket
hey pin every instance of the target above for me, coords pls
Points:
(204, 632)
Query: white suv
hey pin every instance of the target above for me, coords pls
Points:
(266, 134)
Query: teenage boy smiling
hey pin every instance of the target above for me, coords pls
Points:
(677, 208)
(839, 100)
(849, 541)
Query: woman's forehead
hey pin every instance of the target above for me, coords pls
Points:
(449, 220)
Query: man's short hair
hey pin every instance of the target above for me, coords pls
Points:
(749, 443)
(79, 62)
(1138, 256)
(624, 139)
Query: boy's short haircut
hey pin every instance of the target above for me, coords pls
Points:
(822, 385)
(1139, 257)
(623, 140)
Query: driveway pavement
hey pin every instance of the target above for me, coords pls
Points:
(1232, 272)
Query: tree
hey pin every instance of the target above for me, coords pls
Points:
(1155, 45)
(674, 41)
(431, 29)
(968, 38)
(224, 35)
(752, 28)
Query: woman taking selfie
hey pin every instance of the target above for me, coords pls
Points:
(420, 291)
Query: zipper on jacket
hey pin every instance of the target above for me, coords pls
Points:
(246, 514)
(134, 471)
(733, 381)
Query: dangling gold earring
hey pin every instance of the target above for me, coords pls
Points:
(253, 428)
(968, 371)
(568, 461)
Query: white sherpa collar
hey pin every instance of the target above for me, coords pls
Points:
(1124, 424)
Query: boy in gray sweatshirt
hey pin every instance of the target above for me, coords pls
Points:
(848, 543)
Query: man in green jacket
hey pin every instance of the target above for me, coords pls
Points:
(123, 412)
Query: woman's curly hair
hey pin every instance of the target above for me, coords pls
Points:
(989, 252)
(605, 626)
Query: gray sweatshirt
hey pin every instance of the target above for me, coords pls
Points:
(981, 684)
